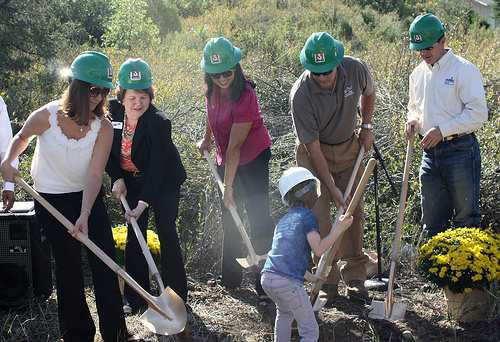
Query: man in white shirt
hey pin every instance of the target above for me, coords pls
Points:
(446, 105)
(8, 197)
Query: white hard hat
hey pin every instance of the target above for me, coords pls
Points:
(294, 176)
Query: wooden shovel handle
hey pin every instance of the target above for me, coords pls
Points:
(233, 211)
(327, 257)
(144, 246)
(92, 246)
(399, 227)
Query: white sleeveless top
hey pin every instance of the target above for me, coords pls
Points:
(60, 164)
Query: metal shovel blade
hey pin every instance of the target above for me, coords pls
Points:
(379, 311)
(319, 303)
(248, 261)
(171, 305)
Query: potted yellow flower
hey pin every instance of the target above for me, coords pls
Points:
(120, 237)
(462, 261)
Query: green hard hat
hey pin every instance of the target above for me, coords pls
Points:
(134, 74)
(219, 55)
(321, 52)
(424, 31)
(92, 67)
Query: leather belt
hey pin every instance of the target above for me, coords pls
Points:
(453, 136)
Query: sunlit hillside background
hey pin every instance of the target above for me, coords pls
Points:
(40, 37)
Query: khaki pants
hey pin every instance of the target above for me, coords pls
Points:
(340, 159)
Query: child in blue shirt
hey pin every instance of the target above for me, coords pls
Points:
(296, 234)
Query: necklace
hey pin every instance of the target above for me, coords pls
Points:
(128, 130)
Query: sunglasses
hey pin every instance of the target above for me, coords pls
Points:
(430, 48)
(225, 74)
(326, 73)
(96, 91)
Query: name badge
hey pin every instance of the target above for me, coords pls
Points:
(117, 125)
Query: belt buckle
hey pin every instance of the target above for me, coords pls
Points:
(449, 137)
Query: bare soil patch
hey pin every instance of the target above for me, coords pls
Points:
(219, 314)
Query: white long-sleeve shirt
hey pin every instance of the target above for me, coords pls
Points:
(449, 94)
(5, 138)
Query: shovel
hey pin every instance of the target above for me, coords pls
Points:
(166, 314)
(323, 267)
(149, 259)
(252, 258)
(388, 309)
(325, 263)
(144, 246)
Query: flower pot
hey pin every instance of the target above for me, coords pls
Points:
(466, 307)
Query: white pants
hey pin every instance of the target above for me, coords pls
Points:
(291, 302)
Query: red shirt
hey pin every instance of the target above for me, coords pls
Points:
(224, 113)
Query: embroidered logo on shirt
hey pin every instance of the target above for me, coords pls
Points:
(417, 38)
(117, 124)
(135, 75)
(449, 81)
(319, 57)
(215, 59)
(348, 91)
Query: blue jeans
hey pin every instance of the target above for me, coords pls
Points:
(449, 184)
(291, 302)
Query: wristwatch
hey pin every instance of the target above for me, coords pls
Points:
(367, 126)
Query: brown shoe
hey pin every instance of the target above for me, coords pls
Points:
(356, 290)
(329, 291)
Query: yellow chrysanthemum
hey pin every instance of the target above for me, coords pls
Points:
(461, 258)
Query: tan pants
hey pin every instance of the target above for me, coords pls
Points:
(340, 159)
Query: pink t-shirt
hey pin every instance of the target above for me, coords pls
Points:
(224, 113)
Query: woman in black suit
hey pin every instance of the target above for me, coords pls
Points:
(145, 166)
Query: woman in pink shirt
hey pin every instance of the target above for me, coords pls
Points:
(243, 152)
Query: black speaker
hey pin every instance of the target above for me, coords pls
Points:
(25, 267)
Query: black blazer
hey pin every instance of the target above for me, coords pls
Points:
(153, 152)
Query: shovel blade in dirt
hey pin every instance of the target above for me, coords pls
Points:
(174, 309)
(380, 310)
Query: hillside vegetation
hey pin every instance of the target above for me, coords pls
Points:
(271, 34)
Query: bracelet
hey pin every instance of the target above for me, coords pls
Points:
(86, 211)
(145, 203)
(228, 185)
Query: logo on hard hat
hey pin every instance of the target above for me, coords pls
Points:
(135, 75)
(417, 38)
(319, 57)
(215, 59)
(110, 73)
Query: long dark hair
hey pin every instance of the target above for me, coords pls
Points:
(238, 86)
(75, 103)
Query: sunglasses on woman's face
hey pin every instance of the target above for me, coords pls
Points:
(96, 91)
(225, 74)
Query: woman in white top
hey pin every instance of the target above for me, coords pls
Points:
(74, 140)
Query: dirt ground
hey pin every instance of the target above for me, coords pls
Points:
(218, 314)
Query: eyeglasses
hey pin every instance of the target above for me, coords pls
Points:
(96, 91)
(225, 74)
(430, 48)
(326, 73)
